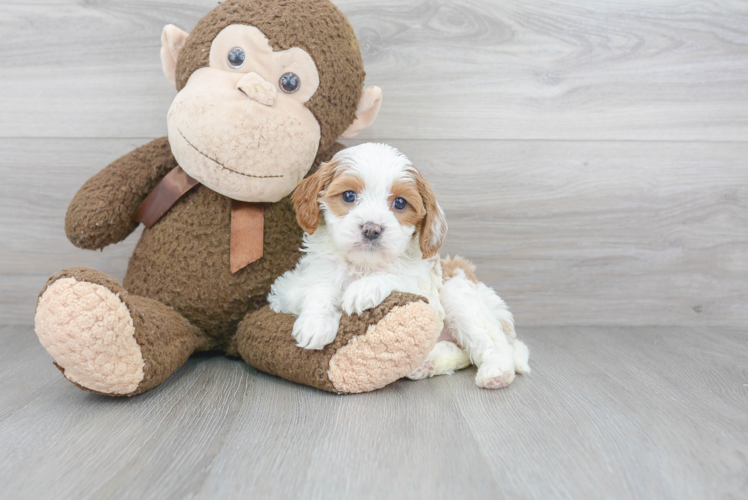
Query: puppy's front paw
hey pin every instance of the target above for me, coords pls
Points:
(315, 331)
(364, 294)
(494, 375)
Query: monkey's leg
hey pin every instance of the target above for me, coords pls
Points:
(372, 350)
(108, 341)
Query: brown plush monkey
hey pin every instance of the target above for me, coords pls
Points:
(265, 89)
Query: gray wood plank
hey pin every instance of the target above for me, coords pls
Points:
(591, 233)
(379, 445)
(41, 176)
(619, 405)
(608, 188)
(569, 233)
(509, 69)
(607, 413)
(80, 446)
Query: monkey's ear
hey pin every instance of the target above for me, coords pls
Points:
(366, 113)
(172, 41)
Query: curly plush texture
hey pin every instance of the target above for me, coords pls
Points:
(179, 295)
(259, 344)
(112, 342)
(102, 209)
(182, 260)
(106, 357)
(131, 344)
(391, 349)
(286, 24)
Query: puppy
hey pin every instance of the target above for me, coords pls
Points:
(373, 226)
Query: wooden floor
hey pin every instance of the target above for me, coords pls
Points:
(592, 159)
(607, 413)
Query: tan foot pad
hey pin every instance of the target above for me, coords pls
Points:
(89, 333)
(390, 350)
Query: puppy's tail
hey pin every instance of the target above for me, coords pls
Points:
(475, 299)
(459, 267)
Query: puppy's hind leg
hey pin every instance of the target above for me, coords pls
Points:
(521, 357)
(478, 331)
(444, 359)
(499, 309)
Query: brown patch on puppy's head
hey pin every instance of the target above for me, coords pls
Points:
(343, 182)
(316, 26)
(414, 211)
(307, 194)
(434, 224)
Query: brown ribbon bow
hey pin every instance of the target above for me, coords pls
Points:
(247, 219)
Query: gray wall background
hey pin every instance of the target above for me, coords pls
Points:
(591, 155)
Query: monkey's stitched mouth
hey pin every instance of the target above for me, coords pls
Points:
(224, 166)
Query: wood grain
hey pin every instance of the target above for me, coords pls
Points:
(606, 413)
(569, 233)
(458, 69)
(617, 407)
(591, 158)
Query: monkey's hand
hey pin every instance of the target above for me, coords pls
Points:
(102, 210)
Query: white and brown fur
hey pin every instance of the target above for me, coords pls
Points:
(349, 267)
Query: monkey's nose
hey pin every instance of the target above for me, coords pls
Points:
(371, 231)
(257, 88)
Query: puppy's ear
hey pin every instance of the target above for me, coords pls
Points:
(434, 224)
(306, 196)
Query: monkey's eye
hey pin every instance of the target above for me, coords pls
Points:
(236, 57)
(289, 83)
(349, 196)
(399, 204)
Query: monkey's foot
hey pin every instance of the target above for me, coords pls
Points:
(89, 332)
(108, 341)
(389, 350)
(372, 350)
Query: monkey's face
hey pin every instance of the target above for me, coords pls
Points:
(240, 125)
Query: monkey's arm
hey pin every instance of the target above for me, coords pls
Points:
(102, 210)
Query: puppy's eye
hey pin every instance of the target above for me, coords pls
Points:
(289, 83)
(236, 57)
(349, 196)
(399, 204)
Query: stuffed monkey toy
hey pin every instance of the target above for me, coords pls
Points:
(265, 89)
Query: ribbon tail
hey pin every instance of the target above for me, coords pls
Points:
(247, 238)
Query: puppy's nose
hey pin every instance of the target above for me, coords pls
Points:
(257, 88)
(371, 231)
